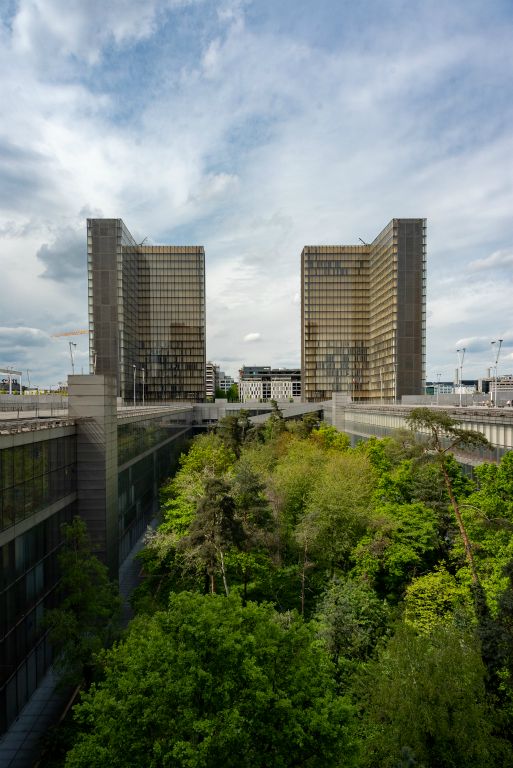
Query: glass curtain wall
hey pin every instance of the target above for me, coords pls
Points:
(35, 475)
(335, 312)
(363, 316)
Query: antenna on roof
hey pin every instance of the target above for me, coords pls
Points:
(362, 241)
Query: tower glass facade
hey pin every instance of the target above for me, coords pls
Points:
(363, 316)
(146, 314)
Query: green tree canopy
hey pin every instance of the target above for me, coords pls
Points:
(210, 683)
(402, 543)
(89, 610)
(214, 529)
(208, 457)
(425, 696)
(351, 618)
(443, 435)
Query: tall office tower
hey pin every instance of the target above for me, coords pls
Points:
(146, 314)
(363, 316)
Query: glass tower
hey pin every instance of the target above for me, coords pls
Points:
(363, 316)
(146, 314)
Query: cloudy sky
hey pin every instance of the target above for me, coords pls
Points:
(254, 128)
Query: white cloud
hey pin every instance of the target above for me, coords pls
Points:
(22, 337)
(72, 27)
(252, 337)
(503, 258)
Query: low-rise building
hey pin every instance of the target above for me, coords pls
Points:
(225, 381)
(211, 378)
(260, 383)
(468, 386)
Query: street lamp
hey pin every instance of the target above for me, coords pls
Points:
(438, 376)
(461, 357)
(498, 348)
(135, 369)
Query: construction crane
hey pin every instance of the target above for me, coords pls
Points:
(80, 332)
(72, 345)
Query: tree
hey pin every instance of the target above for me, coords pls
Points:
(444, 435)
(213, 531)
(275, 424)
(253, 511)
(350, 619)
(425, 695)
(233, 394)
(303, 427)
(489, 520)
(210, 683)
(330, 438)
(402, 543)
(338, 508)
(88, 615)
(232, 429)
(433, 599)
(208, 457)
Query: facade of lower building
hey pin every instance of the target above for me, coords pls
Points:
(225, 381)
(363, 316)
(211, 378)
(93, 462)
(263, 383)
(217, 379)
(146, 315)
(468, 386)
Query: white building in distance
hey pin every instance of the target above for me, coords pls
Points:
(259, 383)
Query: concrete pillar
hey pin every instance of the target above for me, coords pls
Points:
(92, 404)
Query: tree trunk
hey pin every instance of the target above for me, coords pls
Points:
(303, 579)
(245, 594)
(223, 572)
(461, 526)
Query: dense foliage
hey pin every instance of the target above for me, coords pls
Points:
(307, 603)
(88, 616)
(210, 683)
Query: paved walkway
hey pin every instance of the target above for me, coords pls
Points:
(129, 578)
(20, 745)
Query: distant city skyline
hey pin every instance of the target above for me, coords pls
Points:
(255, 128)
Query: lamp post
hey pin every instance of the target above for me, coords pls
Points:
(461, 357)
(498, 348)
(135, 369)
(438, 376)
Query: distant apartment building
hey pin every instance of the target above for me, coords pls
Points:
(211, 378)
(263, 383)
(217, 380)
(468, 386)
(363, 316)
(146, 314)
(225, 381)
(504, 382)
